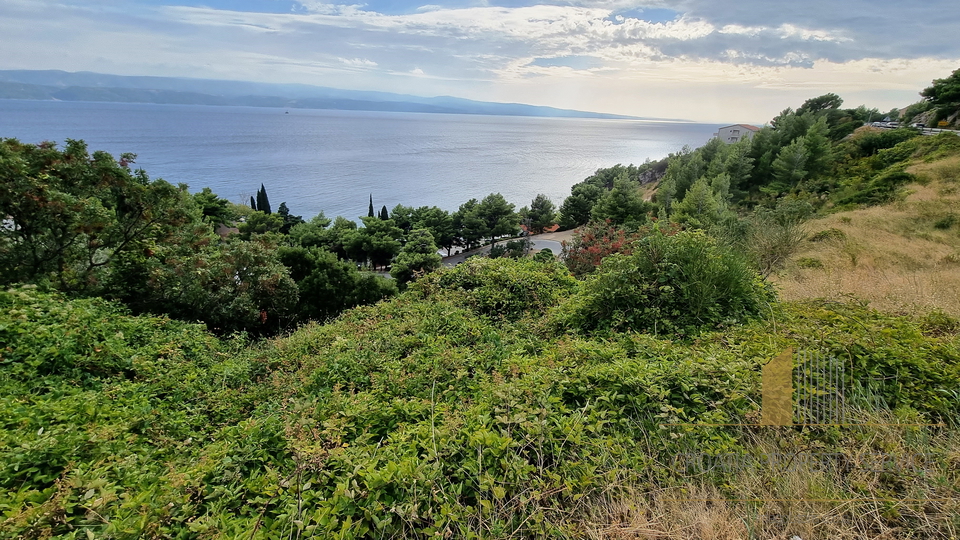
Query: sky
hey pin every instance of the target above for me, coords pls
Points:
(705, 60)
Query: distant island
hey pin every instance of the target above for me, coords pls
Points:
(99, 87)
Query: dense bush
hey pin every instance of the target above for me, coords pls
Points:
(507, 288)
(669, 284)
(409, 419)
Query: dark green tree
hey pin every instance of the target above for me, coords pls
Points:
(418, 256)
(402, 216)
(576, 209)
(384, 214)
(378, 241)
(542, 214)
(68, 214)
(622, 205)
(260, 223)
(498, 216)
(289, 220)
(440, 224)
(328, 286)
(253, 203)
(370, 212)
(789, 168)
(944, 91)
(214, 209)
(820, 104)
(263, 203)
(471, 229)
(312, 233)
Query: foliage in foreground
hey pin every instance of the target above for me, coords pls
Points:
(422, 415)
(668, 285)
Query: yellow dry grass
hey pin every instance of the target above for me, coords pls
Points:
(902, 257)
(816, 496)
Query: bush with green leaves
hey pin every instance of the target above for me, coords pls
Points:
(505, 288)
(669, 284)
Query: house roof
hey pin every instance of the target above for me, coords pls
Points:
(745, 126)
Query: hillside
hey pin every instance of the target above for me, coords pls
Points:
(766, 347)
(87, 86)
(902, 257)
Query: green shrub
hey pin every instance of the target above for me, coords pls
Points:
(828, 234)
(545, 255)
(939, 323)
(881, 189)
(669, 284)
(809, 262)
(946, 222)
(507, 288)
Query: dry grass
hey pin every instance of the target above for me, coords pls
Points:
(871, 493)
(900, 257)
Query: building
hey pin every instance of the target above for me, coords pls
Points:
(736, 132)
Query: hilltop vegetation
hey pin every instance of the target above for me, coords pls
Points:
(615, 393)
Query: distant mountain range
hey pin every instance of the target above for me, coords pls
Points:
(88, 86)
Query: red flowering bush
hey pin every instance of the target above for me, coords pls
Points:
(598, 239)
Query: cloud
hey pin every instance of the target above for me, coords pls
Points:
(759, 47)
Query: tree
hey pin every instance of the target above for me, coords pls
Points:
(669, 284)
(260, 223)
(263, 203)
(383, 213)
(403, 217)
(378, 241)
(68, 214)
(214, 209)
(328, 286)
(622, 205)
(312, 233)
(789, 168)
(471, 229)
(542, 214)
(341, 239)
(440, 224)
(289, 220)
(234, 286)
(497, 216)
(370, 209)
(576, 209)
(944, 91)
(820, 104)
(418, 256)
(253, 203)
(817, 146)
(739, 166)
(699, 207)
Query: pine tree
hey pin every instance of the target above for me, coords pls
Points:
(699, 207)
(370, 212)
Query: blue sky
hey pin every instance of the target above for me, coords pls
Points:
(707, 60)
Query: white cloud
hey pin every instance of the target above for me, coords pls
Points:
(358, 62)
(763, 51)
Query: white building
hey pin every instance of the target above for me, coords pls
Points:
(736, 132)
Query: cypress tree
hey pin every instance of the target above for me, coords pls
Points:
(263, 203)
(253, 203)
(384, 214)
(370, 212)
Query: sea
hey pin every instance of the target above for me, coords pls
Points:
(334, 161)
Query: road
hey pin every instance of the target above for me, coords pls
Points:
(540, 241)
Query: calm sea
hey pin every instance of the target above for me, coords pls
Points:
(334, 160)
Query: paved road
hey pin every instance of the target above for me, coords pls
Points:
(540, 241)
(552, 245)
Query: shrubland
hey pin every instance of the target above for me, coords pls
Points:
(509, 397)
